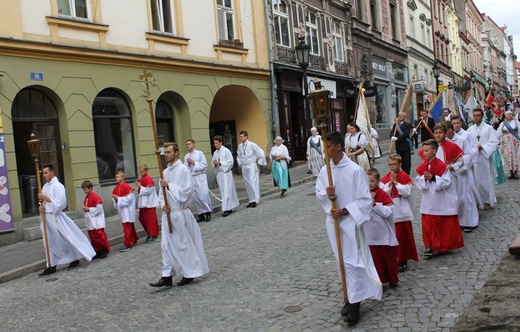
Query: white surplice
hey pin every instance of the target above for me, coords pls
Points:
(225, 180)
(95, 217)
(404, 205)
(67, 242)
(483, 169)
(248, 155)
(468, 210)
(200, 181)
(380, 228)
(352, 191)
(439, 197)
(470, 159)
(182, 249)
(125, 206)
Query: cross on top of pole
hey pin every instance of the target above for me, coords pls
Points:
(145, 76)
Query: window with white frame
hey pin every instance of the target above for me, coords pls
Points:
(412, 26)
(312, 32)
(162, 14)
(74, 8)
(339, 53)
(281, 23)
(226, 26)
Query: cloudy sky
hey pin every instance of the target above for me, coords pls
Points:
(504, 12)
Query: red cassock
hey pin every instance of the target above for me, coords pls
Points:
(407, 248)
(98, 237)
(385, 256)
(148, 216)
(440, 232)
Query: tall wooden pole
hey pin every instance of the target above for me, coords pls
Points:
(34, 147)
(145, 76)
(323, 128)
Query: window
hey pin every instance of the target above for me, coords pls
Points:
(373, 14)
(312, 33)
(428, 38)
(393, 21)
(281, 23)
(338, 42)
(162, 13)
(74, 8)
(412, 27)
(225, 20)
(113, 135)
(359, 9)
(423, 35)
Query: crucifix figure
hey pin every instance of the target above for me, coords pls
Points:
(478, 138)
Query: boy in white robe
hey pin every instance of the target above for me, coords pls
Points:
(223, 163)
(67, 244)
(248, 155)
(353, 207)
(487, 144)
(195, 160)
(182, 249)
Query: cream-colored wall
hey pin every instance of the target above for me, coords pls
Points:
(11, 19)
(128, 23)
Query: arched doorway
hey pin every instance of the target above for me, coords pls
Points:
(165, 125)
(33, 111)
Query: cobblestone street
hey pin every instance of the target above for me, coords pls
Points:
(261, 261)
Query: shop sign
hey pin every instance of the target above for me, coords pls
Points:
(379, 66)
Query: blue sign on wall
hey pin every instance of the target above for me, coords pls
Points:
(36, 76)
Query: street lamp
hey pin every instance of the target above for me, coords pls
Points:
(302, 54)
(436, 73)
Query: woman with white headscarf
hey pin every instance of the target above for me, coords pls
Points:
(315, 152)
(280, 165)
(508, 132)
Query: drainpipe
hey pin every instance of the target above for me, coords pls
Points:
(274, 110)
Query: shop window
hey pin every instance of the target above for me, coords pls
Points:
(114, 138)
(74, 8)
(281, 23)
(226, 26)
(380, 104)
(162, 13)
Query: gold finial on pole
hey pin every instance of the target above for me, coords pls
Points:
(146, 76)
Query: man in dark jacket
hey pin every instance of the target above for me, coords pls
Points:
(401, 136)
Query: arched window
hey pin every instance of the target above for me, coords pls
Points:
(114, 138)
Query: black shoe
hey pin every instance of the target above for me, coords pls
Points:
(353, 313)
(227, 213)
(344, 310)
(201, 218)
(467, 229)
(253, 205)
(208, 217)
(96, 256)
(163, 282)
(103, 254)
(73, 264)
(184, 281)
(47, 271)
(249, 205)
(402, 266)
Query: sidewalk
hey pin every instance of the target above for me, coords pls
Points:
(25, 257)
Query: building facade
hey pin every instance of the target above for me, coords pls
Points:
(71, 75)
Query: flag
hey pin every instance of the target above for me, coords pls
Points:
(460, 107)
(436, 109)
(471, 104)
(493, 105)
(363, 119)
(407, 100)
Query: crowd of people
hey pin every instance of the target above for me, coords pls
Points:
(456, 178)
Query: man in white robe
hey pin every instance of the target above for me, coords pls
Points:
(456, 121)
(248, 155)
(67, 243)
(182, 249)
(195, 160)
(468, 210)
(353, 208)
(487, 144)
(223, 163)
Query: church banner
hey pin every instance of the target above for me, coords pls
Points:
(6, 214)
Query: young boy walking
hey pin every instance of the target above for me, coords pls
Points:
(147, 202)
(398, 184)
(124, 203)
(380, 231)
(95, 220)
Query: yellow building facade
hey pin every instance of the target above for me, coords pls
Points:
(70, 74)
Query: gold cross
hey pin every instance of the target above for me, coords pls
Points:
(145, 76)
